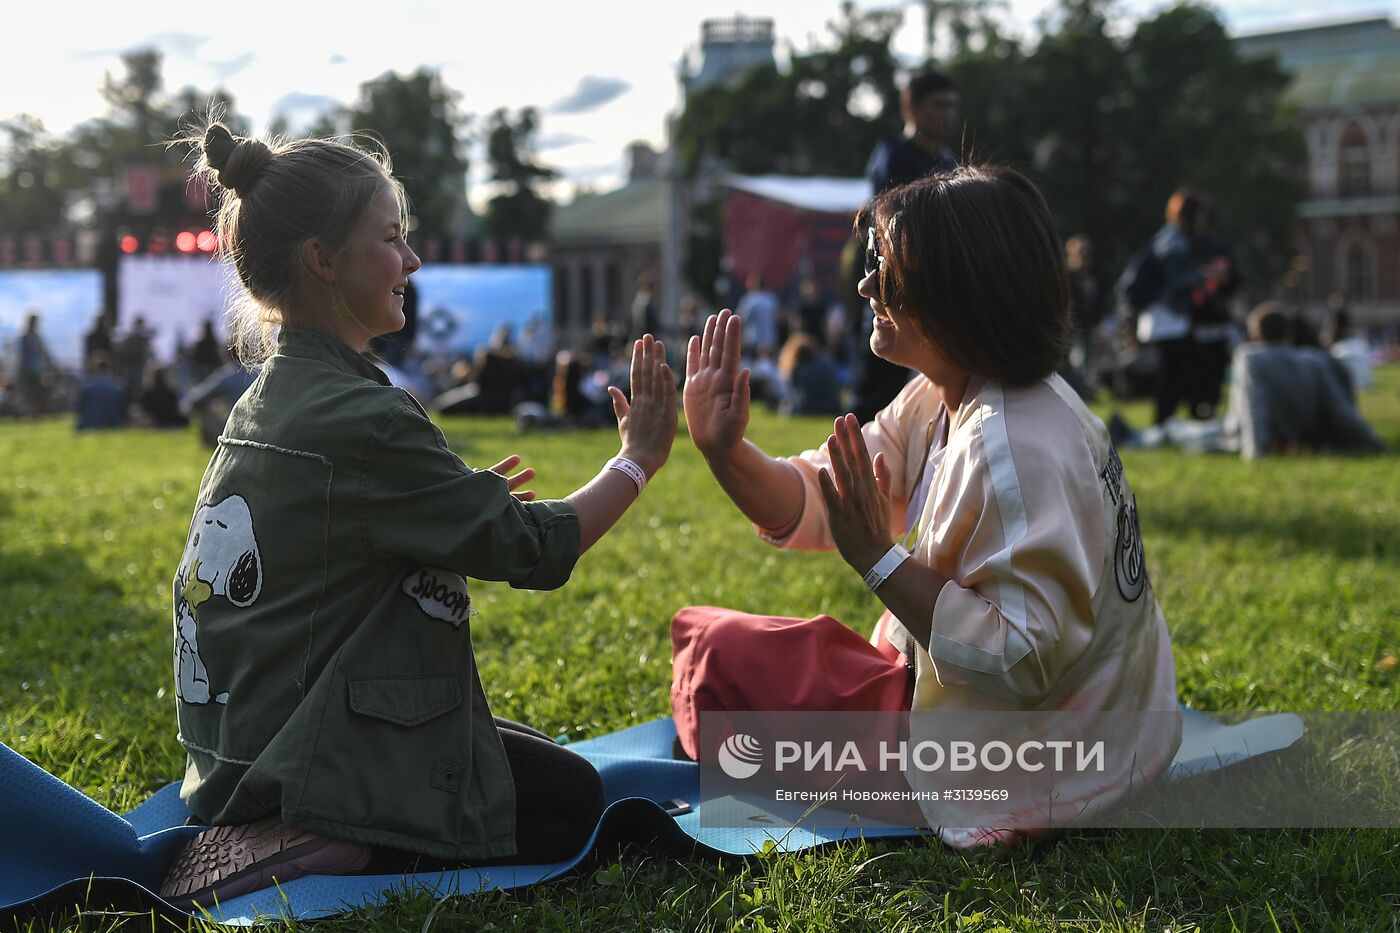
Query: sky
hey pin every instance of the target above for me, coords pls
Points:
(602, 73)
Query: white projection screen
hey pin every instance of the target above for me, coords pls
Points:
(175, 294)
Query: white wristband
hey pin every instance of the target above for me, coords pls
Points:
(885, 566)
(633, 472)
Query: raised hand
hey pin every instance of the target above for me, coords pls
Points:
(857, 495)
(716, 389)
(647, 424)
(519, 479)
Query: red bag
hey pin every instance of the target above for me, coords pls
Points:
(727, 660)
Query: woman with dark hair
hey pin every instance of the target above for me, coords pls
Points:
(1023, 586)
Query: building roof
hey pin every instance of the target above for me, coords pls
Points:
(634, 213)
(817, 193)
(1335, 65)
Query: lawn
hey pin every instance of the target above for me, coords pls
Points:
(1280, 581)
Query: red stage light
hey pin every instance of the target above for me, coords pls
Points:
(185, 242)
(129, 244)
(207, 241)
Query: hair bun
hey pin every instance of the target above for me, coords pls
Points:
(238, 162)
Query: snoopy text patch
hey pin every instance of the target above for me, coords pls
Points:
(441, 594)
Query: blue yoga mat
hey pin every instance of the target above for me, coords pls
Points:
(56, 843)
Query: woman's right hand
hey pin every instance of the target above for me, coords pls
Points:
(647, 424)
(716, 390)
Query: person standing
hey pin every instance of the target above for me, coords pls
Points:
(929, 105)
(1086, 309)
(135, 354)
(759, 307)
(35, 370)
(97, 341)
(809, 317)
(643, 311)
(207, 354)
(1211, 327)
(1166, 322)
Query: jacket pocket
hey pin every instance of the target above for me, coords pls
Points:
(405, 701)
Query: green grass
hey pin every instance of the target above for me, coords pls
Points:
(1280, 581)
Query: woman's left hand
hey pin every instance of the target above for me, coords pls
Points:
(857, 494)
(518, 480)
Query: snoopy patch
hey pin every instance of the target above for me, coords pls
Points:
(221, 559)
(441, 594)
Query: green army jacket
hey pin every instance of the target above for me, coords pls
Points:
(323, 652)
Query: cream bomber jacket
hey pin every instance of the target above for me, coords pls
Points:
(1049, 606)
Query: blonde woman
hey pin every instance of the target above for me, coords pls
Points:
(328, 696)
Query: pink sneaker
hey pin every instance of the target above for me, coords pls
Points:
(227, 861)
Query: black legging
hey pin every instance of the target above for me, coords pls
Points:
(558, 799)
(1175, 359)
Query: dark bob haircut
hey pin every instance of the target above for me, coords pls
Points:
(974, 258)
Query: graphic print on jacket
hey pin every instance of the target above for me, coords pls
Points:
(221, 559)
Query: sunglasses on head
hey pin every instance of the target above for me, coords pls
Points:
(875, 262)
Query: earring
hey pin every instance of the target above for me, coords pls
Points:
(338, 305)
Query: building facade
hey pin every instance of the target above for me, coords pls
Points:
(1346, 88)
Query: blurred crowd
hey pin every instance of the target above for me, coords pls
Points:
(799, 352)
(1258, 383)
(121, 380)
(1171, 328)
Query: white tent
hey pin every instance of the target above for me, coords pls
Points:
(818, 193)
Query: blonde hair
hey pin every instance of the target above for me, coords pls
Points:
(274, 196)
(800, 348)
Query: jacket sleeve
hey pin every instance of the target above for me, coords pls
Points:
(877, 168)
(1023, 538)
(1179, 274)
(420, 501)
(1252, 410)
(1344, 426)
(810, 530)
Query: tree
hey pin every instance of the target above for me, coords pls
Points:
(134, 97)
(518, 210)
(823, 116)
(1108, 127)
(1203, 115)
(820, 117)
(417, 119)
(1077, 101)
(31, 176)
(965, 22)
(48, 181)
(140, 124)
(992, 86)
